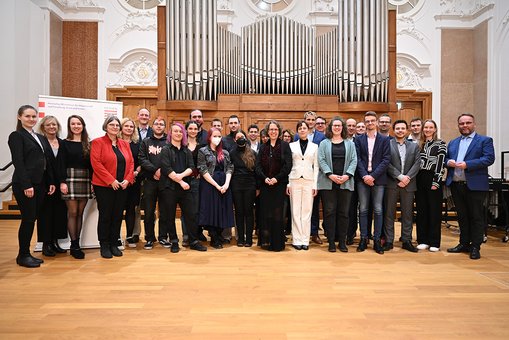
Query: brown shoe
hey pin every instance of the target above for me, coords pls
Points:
(316, 239)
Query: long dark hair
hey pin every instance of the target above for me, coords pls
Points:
(247, 155)
(344, 132)
(85, 141)
(22, 109)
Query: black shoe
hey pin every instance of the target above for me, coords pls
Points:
(388, 246)
(136, 238)
(460, 248)
(57, 249)
(342, 247)
(38, 260)
(332, 248)
(185, 242)
(149, 245)
(47, 249)
(130, 242)
(105, 250)
(115, 251)
(198, 246)
(165, 243)
(27, 261)
(349, 241)
(363, 244)
(475, 254)
(77, 253)
(202, 237)
(377, 247)
(407, 245)
(297, 247)
(226, 241)
(174, 247)
(248, 244)
(304, 247)
(216, 245)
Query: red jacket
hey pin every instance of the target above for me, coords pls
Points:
(104, 161)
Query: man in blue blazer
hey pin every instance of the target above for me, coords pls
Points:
(373, 158)
(468, 158)
(144, 130)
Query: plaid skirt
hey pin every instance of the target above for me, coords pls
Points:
(79, 184)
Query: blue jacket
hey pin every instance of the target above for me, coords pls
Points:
(318, 137)
(479, 156)
(379, 162)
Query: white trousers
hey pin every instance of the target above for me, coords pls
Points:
(301, 203)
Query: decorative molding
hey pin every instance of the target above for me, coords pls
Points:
(325, 5)
(410, 72)
(464, 8)
(138, 21)
(224, 5)
(406, 25)
(76, 4)
(137, 67)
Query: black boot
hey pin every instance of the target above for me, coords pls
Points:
(342, 246)
(378, 247)
(76, 251)
(56, 247)
(115, 251)
(106, 250)
(47, 250)
(363, 244)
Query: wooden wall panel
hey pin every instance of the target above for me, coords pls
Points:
(79, 59)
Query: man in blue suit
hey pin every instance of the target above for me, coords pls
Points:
(468, 158)
(373, 158)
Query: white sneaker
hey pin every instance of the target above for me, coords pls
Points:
(120, 245)
(434, 249)
(422, 246)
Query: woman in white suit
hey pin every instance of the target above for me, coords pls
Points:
(337, 159)
(302, 185)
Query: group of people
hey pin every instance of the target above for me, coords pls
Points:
(243, 179)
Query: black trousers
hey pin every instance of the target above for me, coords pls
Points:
(168, 203)
(30, 209)
(243, 201)
(52, 221)
(470, 207)
(151, 194)
(429, 210)
(336, 206)
(110, 204)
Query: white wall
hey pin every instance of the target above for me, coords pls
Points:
(21, 62)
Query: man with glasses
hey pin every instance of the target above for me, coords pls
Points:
(373, 158)
(320, 124)
(384, 125)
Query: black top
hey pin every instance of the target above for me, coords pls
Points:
(180, 164)
(242, 177)
(338, 158)
(72, 154)
(303, 145)
(120, 163)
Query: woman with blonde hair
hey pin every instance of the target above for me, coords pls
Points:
(129, 133)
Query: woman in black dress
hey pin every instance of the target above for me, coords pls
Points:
(273, 164)
(75, 179)
(129, 133)
(243, 186)
(52, 223)
(30, 182)
(216, 205)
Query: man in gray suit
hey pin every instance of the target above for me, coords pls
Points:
(402, 172)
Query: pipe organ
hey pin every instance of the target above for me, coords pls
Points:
(277, 55)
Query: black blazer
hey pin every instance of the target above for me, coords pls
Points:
(32, 165)
(150, 133)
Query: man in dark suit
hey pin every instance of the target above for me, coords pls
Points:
(197, 116)
(468, 158)
(401, 182)
(373, 158)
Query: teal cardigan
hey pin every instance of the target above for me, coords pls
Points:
(325, 163)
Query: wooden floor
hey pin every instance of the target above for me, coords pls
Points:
(241, 293)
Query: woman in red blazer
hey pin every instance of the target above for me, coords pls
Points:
(113, 166)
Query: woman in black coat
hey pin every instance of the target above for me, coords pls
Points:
(31, 180)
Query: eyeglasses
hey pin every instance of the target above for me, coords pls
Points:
(320, 123)
(380, 122)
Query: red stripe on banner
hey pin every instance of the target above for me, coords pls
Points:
(41, 114)
(42, 104)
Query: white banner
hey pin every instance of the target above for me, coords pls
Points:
(93, 113)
